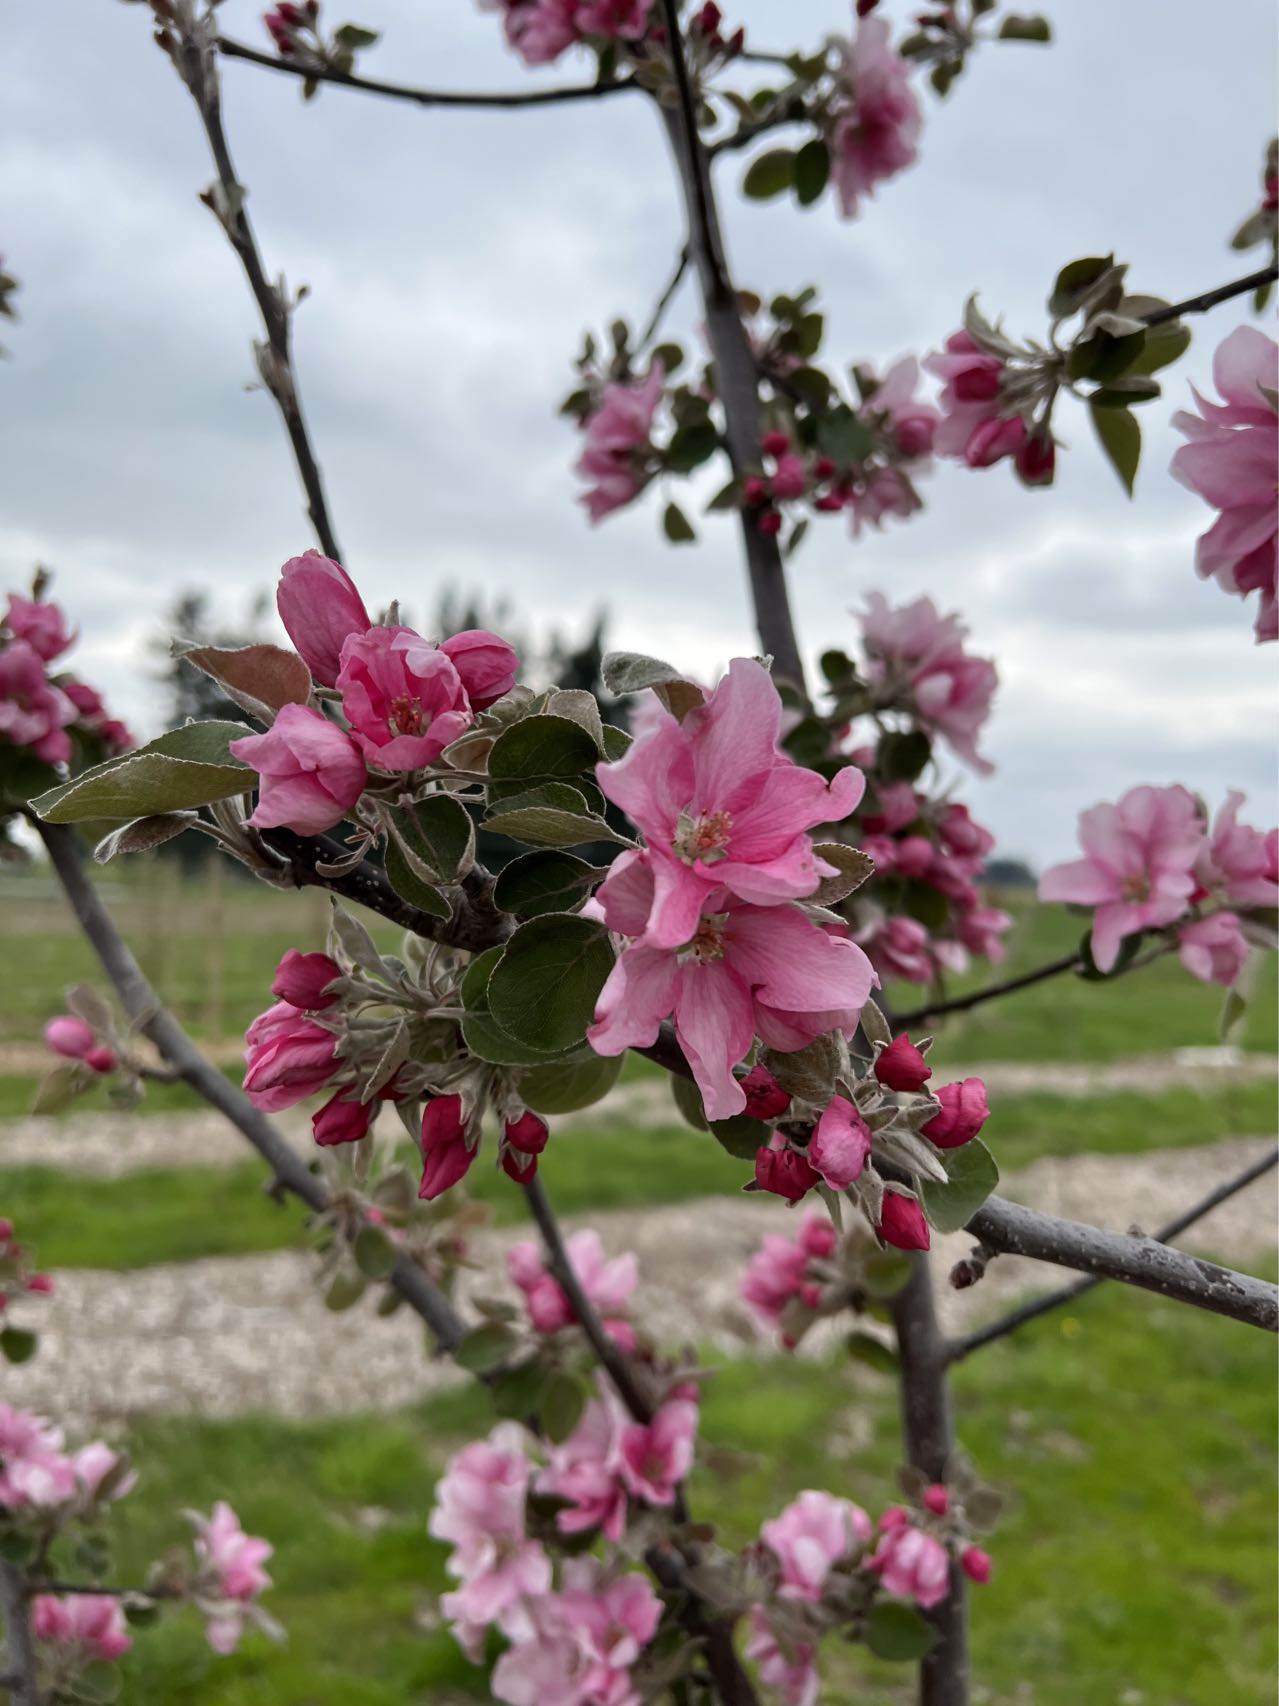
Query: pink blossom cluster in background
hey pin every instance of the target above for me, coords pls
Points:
(608, 1285)
(38, 1475)
(230, 1576)
(575, 1638)
(1154, 862)
(1231, 461)
(876, 121)
(978, 426)
(90, 1627)
(404, 698)
(617, 456)
(541, 30)
(42, 709)
(17, 1279)
(710, 910)
(923, 651)
(782, 1283)
(73, 1039)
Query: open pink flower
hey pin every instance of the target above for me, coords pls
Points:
(721, 806)
(1238, 863)
(608, 1285)
(34, 1467)
(289, 1057)
(33, 712)
(812, 1535)
(747, 970)
(840, 1144)
(656, 1456)
(877, 126)
(913, 1565)
(92, 1623)
(791, 1670)
(973, 428)
(1213, 949)
(615, 456)
(42, 625)
(893, 405)
(613, 1618)
(310, 773)
(94, 1462)
(320, 608)
(900, 947)
(232, 1561)
(402, 696)
(778, 1272)
(917, 649)
(1230, 461)
(1139, 856)
(586, 1470)
(486, 665)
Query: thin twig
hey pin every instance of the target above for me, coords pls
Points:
(193, 55)
(665, 299)
(1040, 974)
(1210, 298)
(143, 1008)
(21, 1680)
(1015, 1318)
(499, 99)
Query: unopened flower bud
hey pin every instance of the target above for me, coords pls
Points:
(1036, 459)
(976, 1564)
(936, 1499)
(765, 1098)
(754, 490)
(784, 1173)
(102, 1059)
(964, 1111)
(341, 1121)
(901, 1066)
(529, 1133)
(42, 1284)
(69, 1037)
(823, 468)
(769, 523)
(775, 443)
(902, 1223)
(302, 979)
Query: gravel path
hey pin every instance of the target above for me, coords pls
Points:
(230, 1335)
(109, 1145)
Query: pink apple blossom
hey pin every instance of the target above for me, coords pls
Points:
(33, 712)
(900, 1066)
(586, 1471)
(616, 455)
(878, 120)
(973, 428)
(402, 696)
(893, 405)
(791, 1670)
(964, 1111)
(608, 1285)
(810, 1537)
(1230, 461)
(42, 625)
(90, 1623)
(902, 1223)
(778, 1273)
(69, 1036)
(913, 1564)
(721, 806)
(746, 970)
(34, 1468)
(1213, 949)
(783, 1171)
(303, 979)
(1238, 863)
(232, 1561)
(765, 1098)
(840, 1144)
(916, 649)
(1139, 857)
(486, 665)
(899, 947)
(657, 1455)
(449, 1146)
(320, 608)
(310, 773)
(883, 492)
(94, 1462)
(289, 1057)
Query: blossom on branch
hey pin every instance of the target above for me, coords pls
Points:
(617, 454)
(876, 118)
(310, 771)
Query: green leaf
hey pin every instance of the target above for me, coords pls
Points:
(544, 988)
(17, 1344)
(261, 679)
(844, 438)
(885, 1272)
(1127, 389)
(346, 1289)
(374, 1253)
(187, 767)
(555, 815)
(23, 776)
(1074, 281)
(562, 1404)
(485, 1348)
(676, 525)
(475, 979)
(355, 35)
(409, 886)
(143, 834)
(1233, 1009)
(97, 1684)
(903, 756)
(812, 170)
(671, 356)
(971, 1175)
(542, 748)
(61, 1085)
(1120, 437)
(617, 743)
(866, 1348)
(517, 1392)
(769, 175)
(439, 832)
(853, 867)
(544, 881)
(1014, 28)
(691, 445)
(1164, 344)
(897, 1631)
(562, 1087)
(483, 1036)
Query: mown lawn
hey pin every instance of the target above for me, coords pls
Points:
(1135, 1559)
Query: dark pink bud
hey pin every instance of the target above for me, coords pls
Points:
(1036, 459)
(902, 1223)
(486, 664)
(340, 1121)
(446, 1155)
(320, 607)
(765, 1098)
(823, 468)
(68, 1036)
(775, 443)
(6, 1231)
(769, 523)
(866, 7)
(518, 1166)
(828, 503)
(529, 1133)
(784, 1172)
(736, 42)
(709, 18)
(896, 1516)
(993, 439)
(301, 980)
(41, 1283)
(810, 1295)
(901, 1066)
(978, 383)
(936, 1499)
(289, 12)
(914, 434)
(977, 1565)
(101, 1059)
(754, 490)
(964, 1111)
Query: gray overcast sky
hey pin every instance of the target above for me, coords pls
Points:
(454, 260)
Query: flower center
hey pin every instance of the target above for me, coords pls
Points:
(707, 944)
(1137, 887)
(405, 716)
(705, 837)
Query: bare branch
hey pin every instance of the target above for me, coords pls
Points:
(1211, 298)
(192, 54)
(1069, 1293)
(21, 1679)
(144, 1010)
(498, 99)
(665, 299)
(992, 991)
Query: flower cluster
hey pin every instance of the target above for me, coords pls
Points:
(915, 652)
(48, 713)
(39, 1476)
(229, 1577)
(17, 1278)
(1153, 862)
(541, 30)
(785, 1277)
(74, 1039)
(873, 124)
(979, 427)
(576, 1638)
(1230, 461)
(404, 699)
(711, 909)
(618, 457)
(608, 1286)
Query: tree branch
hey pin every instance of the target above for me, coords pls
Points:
(192, 52)
(992, 991)
(1031, 1311)
(144, 1010)
(665, 299)
(929, 1436)
(736, 373)
(21, 1680)
(1210, 298)
(499, 99)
